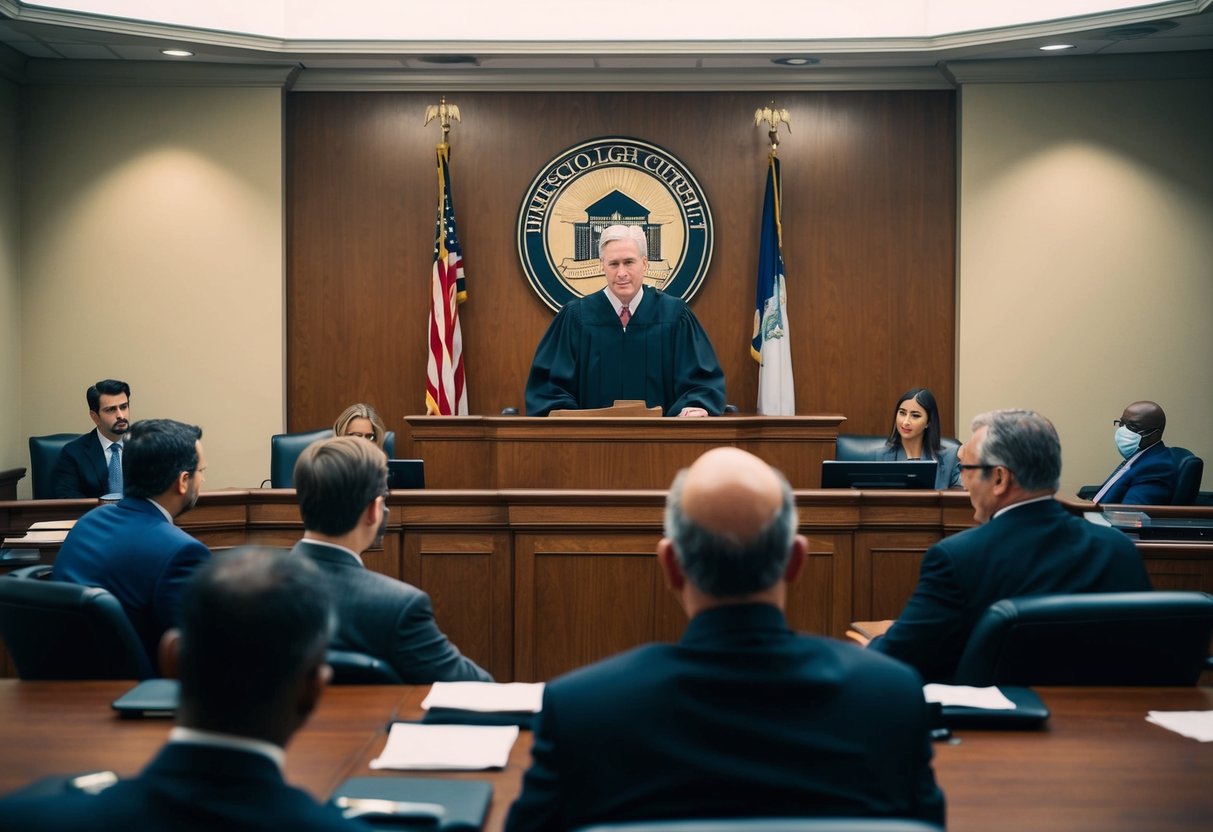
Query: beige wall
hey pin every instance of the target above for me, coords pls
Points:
(1086, 259)
(12, 453)
(152, 251)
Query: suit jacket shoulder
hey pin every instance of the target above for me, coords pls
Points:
(81, 469)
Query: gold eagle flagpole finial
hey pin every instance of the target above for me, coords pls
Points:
(773, 116)
(444, 113)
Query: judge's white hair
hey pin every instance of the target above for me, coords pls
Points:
(624, 232)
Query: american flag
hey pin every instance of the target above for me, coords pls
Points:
(445, 393)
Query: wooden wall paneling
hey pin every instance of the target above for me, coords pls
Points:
(1178, 566)
(886, 571)
(868, 218)
(819, 601)
(580, 598)
(467, 576)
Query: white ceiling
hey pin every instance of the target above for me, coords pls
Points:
(545, 44)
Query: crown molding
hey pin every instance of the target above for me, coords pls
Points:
(618, 80)
(1151, 66)
(157, 73)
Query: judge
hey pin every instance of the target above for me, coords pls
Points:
(626, 342)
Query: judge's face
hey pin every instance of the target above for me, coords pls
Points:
(624, 266)
(361, 427)
(911, 420)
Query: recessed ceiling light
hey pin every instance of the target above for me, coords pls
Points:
(1056, 47)
(795, 61)
(177, 53)
(450, 60)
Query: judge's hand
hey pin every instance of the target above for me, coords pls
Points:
(693, 411)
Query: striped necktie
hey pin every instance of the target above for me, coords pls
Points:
(625, 315)
(115, 469)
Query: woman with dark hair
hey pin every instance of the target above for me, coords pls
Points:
(915, 435)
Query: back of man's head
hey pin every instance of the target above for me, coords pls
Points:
(335, 480)
(1024, 442)
(254, 626)
(731, 519)
(157, 450)
(108, 386)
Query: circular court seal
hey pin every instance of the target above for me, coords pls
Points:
(613, 180)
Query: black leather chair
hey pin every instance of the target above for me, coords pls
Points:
(770, 825)
(58, 630)
(858, 447)
(1113, 638)
(1189, 470)
(43, 454)
(284, 451)
(389, 444)
(350, 668)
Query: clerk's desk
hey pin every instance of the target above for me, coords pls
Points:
(1097, 766)
(532, 583)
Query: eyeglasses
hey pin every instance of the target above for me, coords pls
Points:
(367, 436)
(977, 467)
(1142, 430)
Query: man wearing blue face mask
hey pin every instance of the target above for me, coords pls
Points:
(1147, 476)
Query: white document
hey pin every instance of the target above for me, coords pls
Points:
(991, 699)
(447, 747)
(1195, 724)
(486, 697)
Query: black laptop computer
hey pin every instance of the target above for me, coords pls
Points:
(405, 473)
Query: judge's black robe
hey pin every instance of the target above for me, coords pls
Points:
(587, 359)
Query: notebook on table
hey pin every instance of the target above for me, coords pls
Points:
(464, 803)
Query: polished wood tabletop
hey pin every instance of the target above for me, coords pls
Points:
(1097, 765)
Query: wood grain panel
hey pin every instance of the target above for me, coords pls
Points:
(868, 219)
(886, 567)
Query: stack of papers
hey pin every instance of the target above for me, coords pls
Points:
(447, 747)
(486, 697)
(1195, 724)
(990, 699)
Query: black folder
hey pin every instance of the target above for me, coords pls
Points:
(466, 801)
(1029, 712)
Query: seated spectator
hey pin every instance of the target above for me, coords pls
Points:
(91, 465)
(361, 420)
(1147, 474)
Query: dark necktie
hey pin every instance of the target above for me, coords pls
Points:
(115, 469)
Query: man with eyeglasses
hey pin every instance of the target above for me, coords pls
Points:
(341, 484)
(1147, 475)
(1027, 544)
(132, 548)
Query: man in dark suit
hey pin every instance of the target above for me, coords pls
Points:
(250, 656)
(1147, 475)
(742, 717)
(342, 488)
(1028, 544)
(91, 465)
(132, 548)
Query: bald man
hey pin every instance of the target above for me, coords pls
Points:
(1147, 475)
(742, 717)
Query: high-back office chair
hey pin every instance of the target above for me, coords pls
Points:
(770, 825)
(43, 454)
(350, 668)
(1189, 470)
(284, 452)
(59, 630)
(1106, 638)
(858, 447)
(286, 447)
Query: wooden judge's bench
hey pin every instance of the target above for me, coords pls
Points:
(533, 580)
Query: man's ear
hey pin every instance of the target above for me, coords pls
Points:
(800, 548)
(170, 652)
(670, 567)
(313, 687)
(183, 483)
(372, 515)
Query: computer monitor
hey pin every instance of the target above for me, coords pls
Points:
(890, 473)
(405, 473)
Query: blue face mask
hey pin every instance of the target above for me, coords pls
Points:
(1127, 442)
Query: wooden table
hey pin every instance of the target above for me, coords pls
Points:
(1097, 766)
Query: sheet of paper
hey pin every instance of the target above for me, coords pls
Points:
(486, 697)
(447, 747)
(1195, 724)
(992, 699)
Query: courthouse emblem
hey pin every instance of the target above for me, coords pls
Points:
(612, 181)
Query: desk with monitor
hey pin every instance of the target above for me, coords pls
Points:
(1097, 765)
